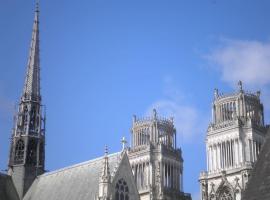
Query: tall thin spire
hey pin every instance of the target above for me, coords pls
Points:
(31, 90)
(27, 153)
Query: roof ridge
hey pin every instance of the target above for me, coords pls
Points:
(78, 164)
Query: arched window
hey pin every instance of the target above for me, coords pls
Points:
(121, 190)
(225, 194)
(19, 152)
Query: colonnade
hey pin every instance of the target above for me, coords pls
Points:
(227, 111)
(230, 153)
(168, 140)
(254, 147)
(172, 176)
(224, 111)
(224, 155)
(141, 173)
(141, 137)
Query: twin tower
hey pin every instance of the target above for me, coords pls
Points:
(155, 160)
(234, 140)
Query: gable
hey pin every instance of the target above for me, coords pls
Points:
(124, 173)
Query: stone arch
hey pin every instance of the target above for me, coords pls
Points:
(225, 193)
(225, 190)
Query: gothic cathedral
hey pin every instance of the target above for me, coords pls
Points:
(151, 169)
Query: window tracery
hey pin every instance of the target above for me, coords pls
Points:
(121, 190)
(19, 152)
(225, 194)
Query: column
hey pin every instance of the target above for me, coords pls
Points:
(218, 155)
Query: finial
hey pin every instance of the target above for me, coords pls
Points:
(37, 6)
(106, 150)
(240, 85)
(134, 118)
(216, 93)
(124, 142)
(258, 93)
(154, 113)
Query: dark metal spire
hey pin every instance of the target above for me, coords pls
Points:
(31, 90)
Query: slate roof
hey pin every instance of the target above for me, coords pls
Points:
(7, 189)
(258, 187)
(78, 182)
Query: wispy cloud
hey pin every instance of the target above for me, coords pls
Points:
(187, 118)
(244, 60)
(248, 61)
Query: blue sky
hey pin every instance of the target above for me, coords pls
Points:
(103, 61)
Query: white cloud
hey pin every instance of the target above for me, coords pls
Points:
(248, 61)
(185, 117)
(188, 121)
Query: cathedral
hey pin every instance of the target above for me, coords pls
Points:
(152, 168)
(234, 139)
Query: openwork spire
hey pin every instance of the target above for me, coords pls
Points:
(31, 90)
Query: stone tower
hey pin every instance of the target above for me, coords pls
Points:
(156, 161)
(233, 142)
(26, 160)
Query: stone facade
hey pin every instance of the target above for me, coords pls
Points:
(234, 139)
(156, 162)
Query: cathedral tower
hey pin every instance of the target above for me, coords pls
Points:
(233, 142)
(26, 160)
(156, 161)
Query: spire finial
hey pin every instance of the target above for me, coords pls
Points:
(124, 142)
(37, 6)
(154, 113)
(106, 150)
(216, 93)
(240, 85)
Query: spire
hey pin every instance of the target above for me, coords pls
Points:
(105, 178)
(105, 174)
(31, 90)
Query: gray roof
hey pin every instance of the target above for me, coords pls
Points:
(258, 187)
(7, 189)
(78, 182)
